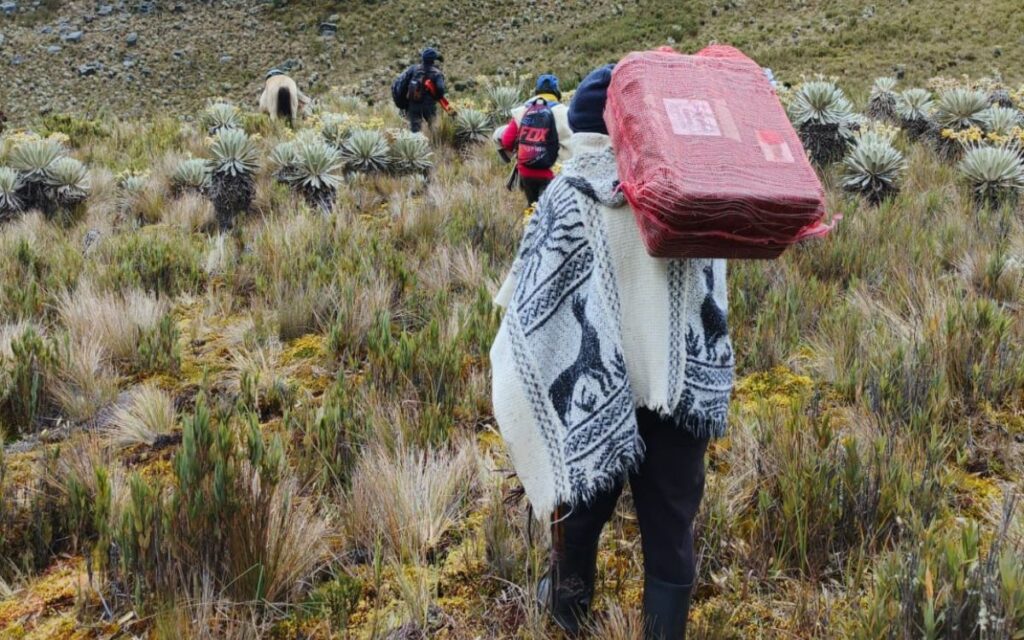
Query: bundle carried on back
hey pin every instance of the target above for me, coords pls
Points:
(708, 158)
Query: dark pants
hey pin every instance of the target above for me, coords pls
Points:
(533, 188)
(667, 489)
(420, 114)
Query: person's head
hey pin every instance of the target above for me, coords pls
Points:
(431, 56)
(586, 111)
(548, 83)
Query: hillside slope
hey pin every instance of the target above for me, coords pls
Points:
(78, 56)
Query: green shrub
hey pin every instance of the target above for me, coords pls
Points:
(232, 515)
(995, 175)
(366, 151)
(165, 264)
(79, 131)
(914, 107)
(503, 99)
(947, 585)
(158, 348)
(822, 494)
(822, 115)
(471, 127)
(34, 522)
(873, 168)
(10, 201)
(221, 116)
(24, 374)
(330, 439)
(335, 601)
(33, 271)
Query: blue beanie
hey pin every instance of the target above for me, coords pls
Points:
(586, 112)
(431, 55)
(548, 83)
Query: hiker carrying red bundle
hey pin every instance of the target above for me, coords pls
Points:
(537, 134)
(610, 365)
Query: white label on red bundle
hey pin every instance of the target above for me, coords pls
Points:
(774, 146)
(692, 117)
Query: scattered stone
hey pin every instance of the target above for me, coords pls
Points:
(91, 237)
(90, 69)
(8, 8)
(178, 54)
(72, 36)
(53, 48)
(131, 39)
(105, 10)
(225, 59)
(328, 29)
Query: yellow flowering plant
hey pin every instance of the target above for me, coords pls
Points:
(971, 135)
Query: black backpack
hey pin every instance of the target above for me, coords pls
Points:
(537, 143)
(416, 91)
(398, 92)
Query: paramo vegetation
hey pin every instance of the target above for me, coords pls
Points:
(244, 386)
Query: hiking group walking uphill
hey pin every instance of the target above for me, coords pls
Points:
(600, 343)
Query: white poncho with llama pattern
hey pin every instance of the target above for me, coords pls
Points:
(594, 328)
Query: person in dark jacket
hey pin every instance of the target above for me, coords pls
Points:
(422, 86)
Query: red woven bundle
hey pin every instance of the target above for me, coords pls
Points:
(707, 157)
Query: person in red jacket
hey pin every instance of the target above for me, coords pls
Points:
(537, 134)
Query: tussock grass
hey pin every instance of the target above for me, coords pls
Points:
(84, 381)
(146, 415)
(116, 321)
(409, 499)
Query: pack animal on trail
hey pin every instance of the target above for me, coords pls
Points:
(281, 97)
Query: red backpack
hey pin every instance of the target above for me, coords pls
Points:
(537, 144)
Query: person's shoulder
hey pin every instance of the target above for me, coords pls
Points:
(563, 192)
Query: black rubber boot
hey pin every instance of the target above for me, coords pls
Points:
(666, 607)
(568, 587)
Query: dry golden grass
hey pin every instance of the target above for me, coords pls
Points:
(115, 321)
(141, 418)
(408, 500)
(84, 381)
